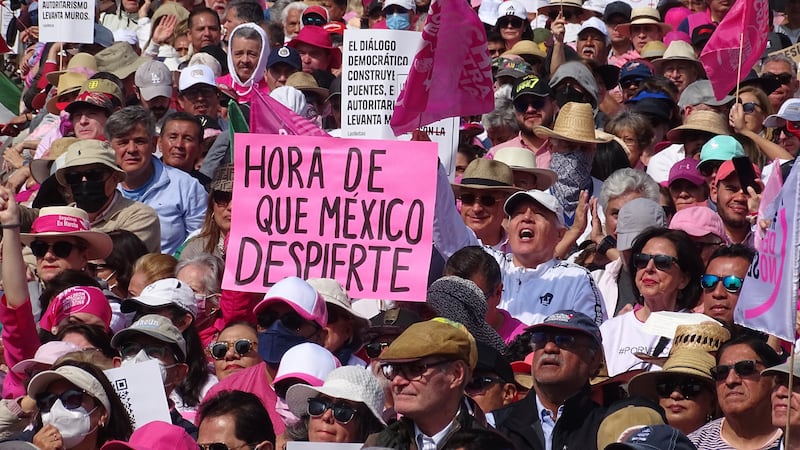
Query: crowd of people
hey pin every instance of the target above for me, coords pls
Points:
(588, 254)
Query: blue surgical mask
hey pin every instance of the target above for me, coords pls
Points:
(398, 21)
(274, 342)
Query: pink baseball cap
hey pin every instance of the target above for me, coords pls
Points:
(308, 362)
(46, 355)
(77, 299)
(727, 168)
(301, 296)
(699, 221)
(155, 435)
(686, 169)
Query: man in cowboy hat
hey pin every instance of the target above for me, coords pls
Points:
(483, 190)
(679, 65)
(645, 26)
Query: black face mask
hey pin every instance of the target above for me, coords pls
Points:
(568, 94)
(90, 196)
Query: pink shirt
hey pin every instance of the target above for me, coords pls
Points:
(542, 153)
(511, 327)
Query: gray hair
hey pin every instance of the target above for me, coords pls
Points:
(126, 119)
(625, 181)
(213, 277)
(780, 58)
(299, 6)
(502, 115)
(247, 33)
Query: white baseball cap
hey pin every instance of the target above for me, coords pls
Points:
(194, 75)
(169, 291)
(790, 110)
(512, 8)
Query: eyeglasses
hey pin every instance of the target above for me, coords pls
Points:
(342, 412)
(222, 198)
(222, 446)
(522, 105)
(95, 176)
(479, 385)
(131, 349)
(290, 320)
(662, 262)
(61, 249)
(750, 107)
(687, 388)
(743, 368)
(540, 338)
(71, 399)
(485, 200)
(782, 78)
(242, 347)
(374, 349)
(731, 283)
(513, 22)
(411, 371)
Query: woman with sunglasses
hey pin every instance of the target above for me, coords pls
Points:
(665, 266)
(747, 118)
(512, 23)
(235, 349)
(744, 397)
(217, 222)
(78, 408)
(684, 388)
(346, 408)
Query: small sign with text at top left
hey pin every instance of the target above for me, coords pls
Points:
(66, 21)
(358, 211)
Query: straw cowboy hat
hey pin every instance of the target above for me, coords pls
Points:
(699, 121)
(69, 221)
(523, 160)
(68, 83)
(486, 174)
(525, 47)
(644, 16)
(679, 51)
(82, 63)
(706, 336)
(653, 49)
(575, 123)
(685, 362)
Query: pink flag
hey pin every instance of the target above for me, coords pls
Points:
(720, 57)
(451, 74)
(269, 116)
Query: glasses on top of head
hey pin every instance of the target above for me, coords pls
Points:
(731, 283)
(661, 262)
(61, 249)
(411, 371)
(742, 368)
(342, 412)
(242, 347)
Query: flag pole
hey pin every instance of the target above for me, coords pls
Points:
(739, 66)
(789, 409)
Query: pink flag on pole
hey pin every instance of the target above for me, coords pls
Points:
(720, 57)
(269, 116)
(451, 74)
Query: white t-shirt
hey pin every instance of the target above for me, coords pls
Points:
(622, 337)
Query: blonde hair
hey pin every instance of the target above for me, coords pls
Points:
(155, 266)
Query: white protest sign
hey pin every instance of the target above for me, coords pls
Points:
(66, 21)
(141, 391)
(375, 65)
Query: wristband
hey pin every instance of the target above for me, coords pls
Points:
(606, 244)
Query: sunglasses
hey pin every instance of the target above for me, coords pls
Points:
(485, 200)
(222, 446)
(662, 262)
(731, 283)
(95, 176)
(513, 22)
(522, 105)
(540, 338)
(314, 20)
(709, 168)
(782, 78)
(61, 249)
(630, 84)
(479, 385)
(222, 198)
(71, 399)
(687, 388)
(411, 371)
(374, 349)
(750, 107)
(290, 320)
(131, 349)
(94, 267)
(342, 412)
(743, 368)
(242, 347)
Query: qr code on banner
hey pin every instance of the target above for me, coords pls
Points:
(121, 386)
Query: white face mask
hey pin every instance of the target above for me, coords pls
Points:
(73, 425)
(142, 356)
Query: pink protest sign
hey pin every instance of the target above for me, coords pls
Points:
(359, 211)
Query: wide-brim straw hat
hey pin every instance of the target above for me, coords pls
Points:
(574, 123)
(486, 174)
(81, 62)
(706, 336)
(699, 121)
(525, 47)
(644, 16)
(523, 160)
(558, 4)
(68, 83)
(653, 49)
(69, 221)
(680, 51)
(303, 82)
(685, 362)
(40, 168)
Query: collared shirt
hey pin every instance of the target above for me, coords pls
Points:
(425, 442)
(548, 423)
(542, 153)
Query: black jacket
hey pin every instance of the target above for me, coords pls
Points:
(576, 428)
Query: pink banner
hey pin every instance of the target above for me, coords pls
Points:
(334, 208)
(748, 19)
(451, 74)
(269, 116)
